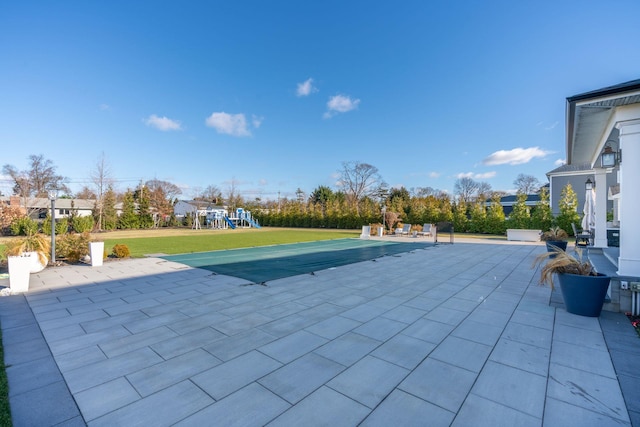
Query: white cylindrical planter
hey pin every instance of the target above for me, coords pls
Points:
(96, 251)
(36, 265)
(19, 271)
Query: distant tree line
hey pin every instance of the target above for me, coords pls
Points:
(360, 197)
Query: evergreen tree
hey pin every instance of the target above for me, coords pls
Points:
(109, 213)
(520, 216)
(478, 217)
(129, 218)
(459, 217)
(494, 223)
(568, 207)
(145, 220)
(541, 217)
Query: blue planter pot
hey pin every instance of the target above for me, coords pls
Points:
(553, 244)
(584, 295)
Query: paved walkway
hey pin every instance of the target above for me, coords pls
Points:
(450, 335)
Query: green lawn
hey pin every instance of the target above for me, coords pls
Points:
(208, 241)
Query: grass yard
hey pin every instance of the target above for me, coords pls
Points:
(187, 241)
(179, 240)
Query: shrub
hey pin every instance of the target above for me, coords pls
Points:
(83, 224)
(24, 226)
(8, 214)
(121, 251)
(73, 247)
(62, 226)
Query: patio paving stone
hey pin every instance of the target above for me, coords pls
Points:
(228, 377)
(160, 409)
(439, 383)
(368, 381)
(515, 388)
(468, 338)
(298, 379)
(404, 351)
(403, 409)
(348, 348)
(314, 410)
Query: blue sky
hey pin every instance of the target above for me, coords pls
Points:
(276, 95)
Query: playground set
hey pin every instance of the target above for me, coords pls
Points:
(220, 219)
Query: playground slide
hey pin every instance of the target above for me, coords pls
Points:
(231, 224)
(253, 223)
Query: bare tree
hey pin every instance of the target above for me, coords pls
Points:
(86, 193)
(212, 193)
(484, 191)
(359, 180)
(101, 178)
(425, 191)
(527, 184)
(466, 188)
(161, 195)
(37, 180)
(234, 199)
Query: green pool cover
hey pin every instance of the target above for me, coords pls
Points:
(264, 263)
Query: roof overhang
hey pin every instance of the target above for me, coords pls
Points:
(591, 121)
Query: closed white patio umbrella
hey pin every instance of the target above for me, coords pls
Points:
(589, 211)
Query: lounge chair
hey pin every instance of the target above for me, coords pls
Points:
(427, 230)
(406, 229)
(366, 232)
(583, 238)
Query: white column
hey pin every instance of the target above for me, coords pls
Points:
(600, 238)
(629, 260)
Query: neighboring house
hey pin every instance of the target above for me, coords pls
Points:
(507, 202)
(601, 124)
(576, 175)
(39, 207)
(184, 207)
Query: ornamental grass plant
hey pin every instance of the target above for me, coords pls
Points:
(558, 262)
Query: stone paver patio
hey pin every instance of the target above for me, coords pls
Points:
(450, 335)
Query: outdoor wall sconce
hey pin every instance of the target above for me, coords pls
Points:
(610, 158)
(589, 184)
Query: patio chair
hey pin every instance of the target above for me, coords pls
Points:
(366, 232)
(583, 238)
(427, 230)
(406, 229)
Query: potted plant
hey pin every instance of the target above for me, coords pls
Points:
(556, 237)
(34, 245)
(583, 289)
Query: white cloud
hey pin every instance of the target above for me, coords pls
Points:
(104, 107)
(306, 88)
(560, 162)
(162, 123)
(434, 174)
(553, 126)
(256, 121)
(472, 175)
(340, 104)
(263, 182)
(485, 175)
(516, 156)
(230, 124)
